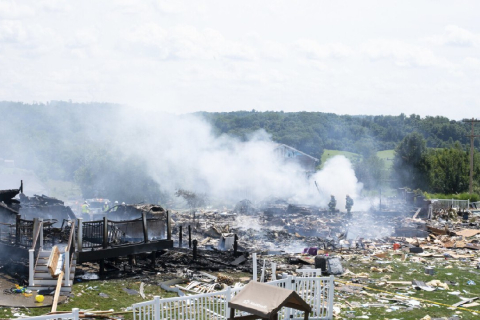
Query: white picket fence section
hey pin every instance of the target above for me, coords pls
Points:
(447, 203)
(74, 315)
(317, 292)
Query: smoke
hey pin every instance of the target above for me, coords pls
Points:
(99, 145)
(338, 178)
(184, 152)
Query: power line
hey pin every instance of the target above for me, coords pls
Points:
(472, 137)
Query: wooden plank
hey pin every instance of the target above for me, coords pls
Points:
(57, 292)
(53, 261)
(464, 301)
(416, 213)
(467, 233)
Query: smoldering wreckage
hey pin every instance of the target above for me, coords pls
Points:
(204, 250)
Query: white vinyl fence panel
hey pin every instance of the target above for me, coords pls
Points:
(317, 292)
(450, 203)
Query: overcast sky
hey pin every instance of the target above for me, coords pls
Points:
(346, 57)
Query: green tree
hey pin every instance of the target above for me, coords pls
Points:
(410, 163)
(449, 170)
(371, 171)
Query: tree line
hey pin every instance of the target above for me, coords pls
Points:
(312, 132)
(71, 142)
(436, 170)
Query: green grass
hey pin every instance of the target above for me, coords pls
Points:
(460, 196)
(86, 293)
(388, 156)
(327, 154)
(87, 297)
(408, 270)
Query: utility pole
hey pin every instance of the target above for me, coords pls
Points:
(472, 137)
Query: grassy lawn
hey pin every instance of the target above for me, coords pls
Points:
(388, 156)
(87, 297)
(353, 304)
(455, 271)
(327, 154)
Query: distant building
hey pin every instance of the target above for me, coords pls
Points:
(307, 162)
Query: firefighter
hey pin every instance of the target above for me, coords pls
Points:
(105, 207)
(332, 205)
(115, 207)
(85, 209)
(348, 206)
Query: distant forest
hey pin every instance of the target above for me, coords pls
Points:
(312, 132)
(71, 141)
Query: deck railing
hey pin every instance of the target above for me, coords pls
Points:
(34, 251)
(107, 233)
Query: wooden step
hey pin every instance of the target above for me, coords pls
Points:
(48, 282)
(42, 254)
(45, 269)
(47, 276)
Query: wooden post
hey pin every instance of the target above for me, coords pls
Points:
(40, 237)
(154, 257)
(189, 236)
(80, 235)
(35, 227)
(180, 237)
(145, 227)
(17, 230)
(105, 232)
(31, 264)
(195, 242)
(132, 260)
(169, 226)
(235, 245)
(254, 266)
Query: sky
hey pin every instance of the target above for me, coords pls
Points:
(344, 57)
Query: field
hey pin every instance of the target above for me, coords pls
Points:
(386, 155)
(327, 154)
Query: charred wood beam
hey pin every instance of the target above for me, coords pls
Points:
(189, 236)
(195, 242)
(145, 227)
(125, 250)
(180, 236)
(169, 225)
(105, 232)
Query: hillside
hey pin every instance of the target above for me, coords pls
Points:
(64, 141)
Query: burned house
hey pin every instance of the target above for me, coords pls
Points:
(35, 229)
(45, 207)
(290, 154)
(8, 205)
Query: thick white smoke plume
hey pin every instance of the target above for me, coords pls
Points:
(337, 178)
(183, 152)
